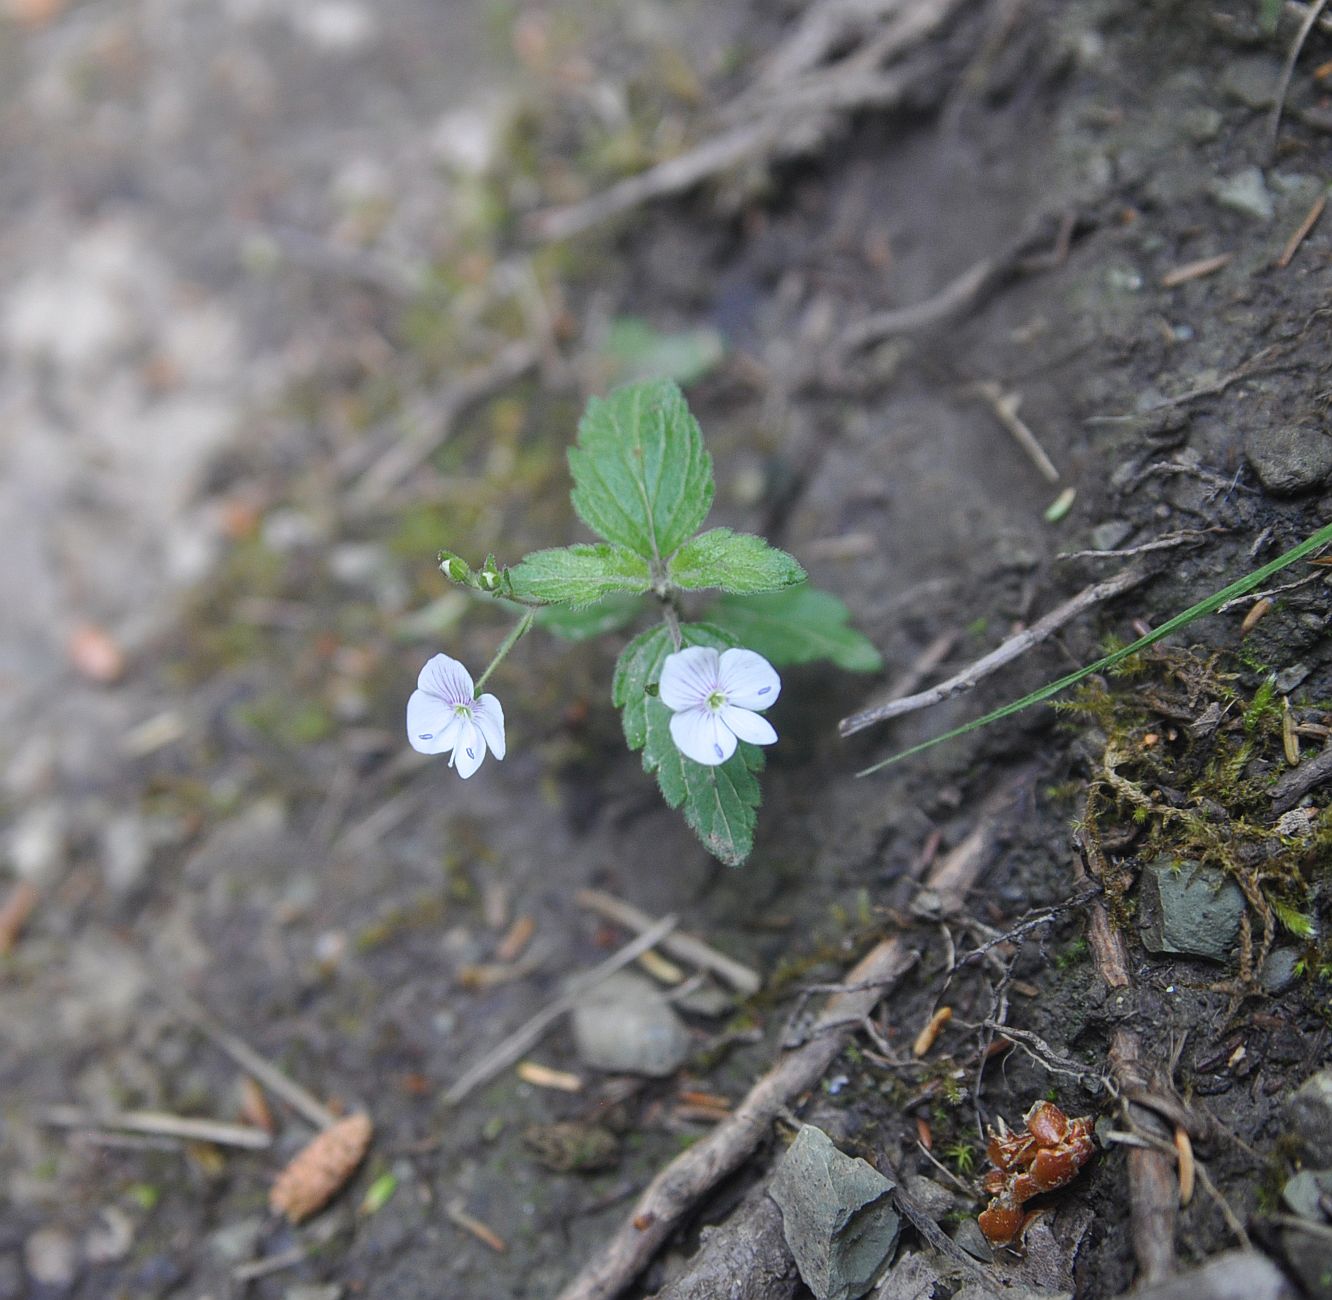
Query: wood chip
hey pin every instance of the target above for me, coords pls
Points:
(95, 654)
(925, 1039)
(255, 1109)
(542, 1076)
(481, 1231)
(1195, 270)
(1257, 611)
(518, 936)
(1184, 1153)
(661, 970)
(15, 911)
(321, 1169)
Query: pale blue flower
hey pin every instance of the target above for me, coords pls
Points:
(445, 717)
(714, 697)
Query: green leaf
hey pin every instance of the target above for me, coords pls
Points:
(738, 562)
(796, 627)
(720, 803)
(638, 350)
(642, 478)
(608, 615)
(578, 575)
(1210, 605)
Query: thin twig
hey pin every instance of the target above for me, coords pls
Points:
(1251, 598)
(1288, 71)
(1043, 1054)
(303, 1102)
(695, 1171)
(258, 1268)
(1005, 407)
(1301, 232)
(684, 946)
(161, 1124)
(954, 297)
(1185, 537)
(1011, 649)
(526, 1036)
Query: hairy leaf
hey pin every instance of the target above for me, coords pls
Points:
(579, 575)
(720, 803)
(736, 562)
(797, 626)
(642, 478)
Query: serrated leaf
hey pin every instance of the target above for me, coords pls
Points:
(638, 350)
(735, 562)
(642, 478)
(608, 615)
(580, 575)
(720, 803)
(797, 626)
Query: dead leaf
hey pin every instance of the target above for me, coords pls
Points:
(320, 1170)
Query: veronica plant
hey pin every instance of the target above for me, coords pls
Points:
(693, 695)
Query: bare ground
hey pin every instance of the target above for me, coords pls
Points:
(253, 253)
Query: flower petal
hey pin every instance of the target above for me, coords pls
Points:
(699, 734)
(748, 679)
(432, 725)
(469, 750)
(489, 718)
(748, 726)
(688, 677)
(446, 678)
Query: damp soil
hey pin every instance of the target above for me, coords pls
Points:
(244, 823)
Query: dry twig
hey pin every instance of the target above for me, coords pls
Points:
(161, 1124)
(1011, 649)
(1288, 71)
(1005, 407)
(1301, 232)
(684, 946)
(527, 1035)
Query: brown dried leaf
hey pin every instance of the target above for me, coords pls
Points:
(321, 1168)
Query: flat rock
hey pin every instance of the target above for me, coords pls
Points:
(836, 1216)
(1245, 192)
(1289, 459)
(1190, 910)
(625, 1026)
(1234, 1275)
(1307, 1192)
(1252, 80)
(1309, 1114)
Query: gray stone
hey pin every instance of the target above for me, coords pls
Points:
(837, 1216)
(625, 1026)
(1289, 459)
(970, 1237)
(1252, 80)
(1106, 536)
(1202, 125)
(1190, 910)
(233, 1243)
(1306, 1193)
(1309, 1113)
(1245, 192)
(1281, 970)
(1233, 1275)
(52, 1258)
(110, 1238)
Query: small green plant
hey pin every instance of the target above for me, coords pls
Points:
(961, 1155)
(692, 694)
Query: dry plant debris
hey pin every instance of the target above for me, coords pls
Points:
(321, 1168)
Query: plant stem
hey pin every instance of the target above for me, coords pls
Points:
(672, 617)
(515, 635)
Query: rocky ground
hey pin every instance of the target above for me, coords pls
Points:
(280, 322)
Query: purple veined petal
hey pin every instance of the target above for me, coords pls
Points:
(748, 679)
(432, 725)
(688, 677)
(748, 725)
(469, 749)
(699, 734)
(489, 718)
(446, 678)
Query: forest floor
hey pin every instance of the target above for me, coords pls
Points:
(295, 294)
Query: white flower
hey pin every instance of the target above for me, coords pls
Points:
(713, 697)
(444, 716)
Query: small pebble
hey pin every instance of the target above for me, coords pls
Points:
(52, 1257)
